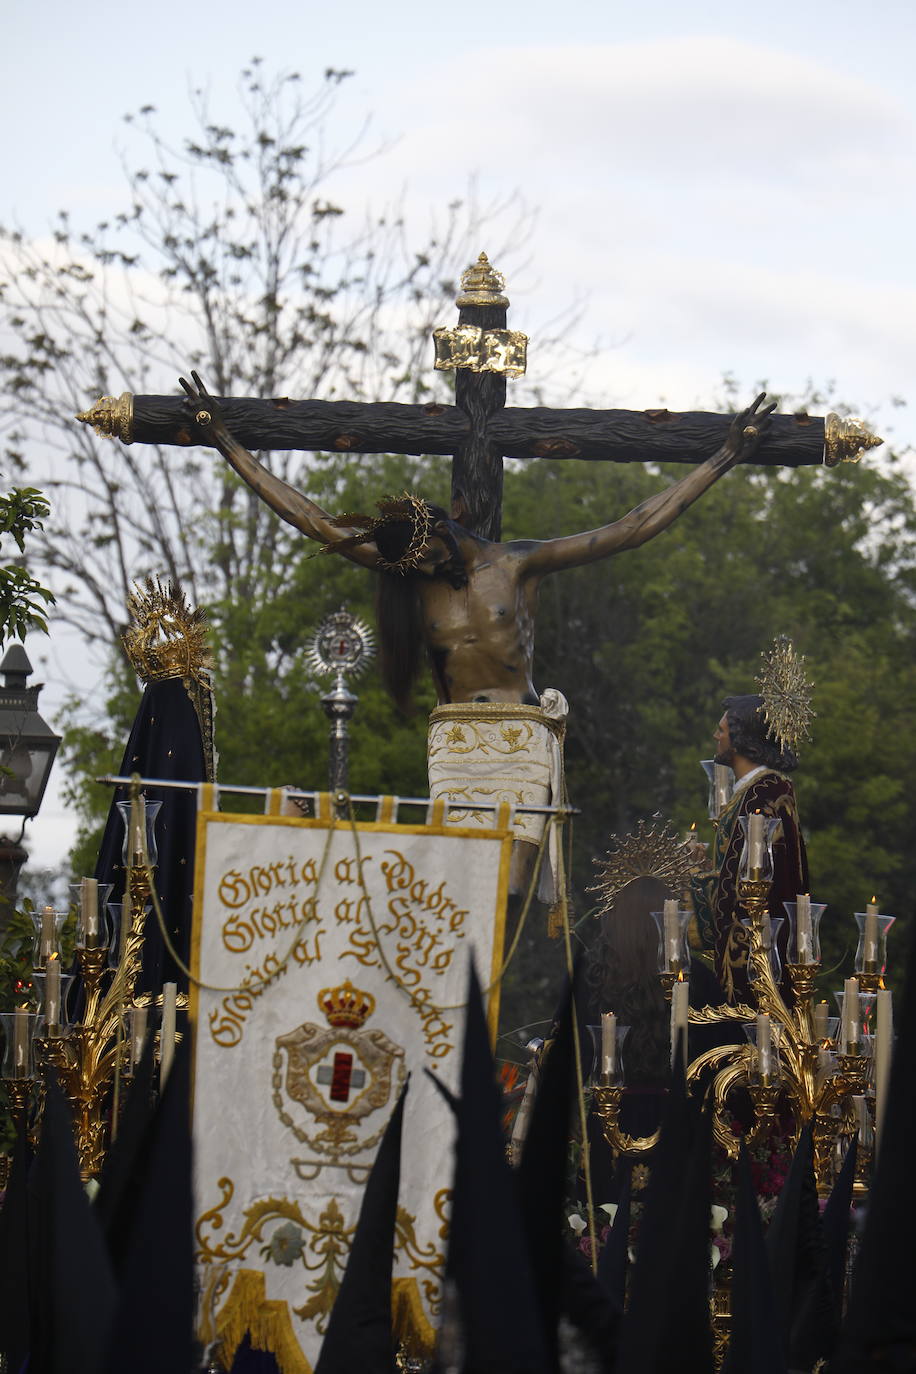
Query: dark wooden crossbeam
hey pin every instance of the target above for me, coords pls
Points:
(622, 436)
(478, 432)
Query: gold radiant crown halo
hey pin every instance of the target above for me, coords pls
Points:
(652, 851)
(346, 1005)
(168, 637)
(786, 694)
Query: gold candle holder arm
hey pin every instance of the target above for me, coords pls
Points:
(607, 1100)
(711, 1016)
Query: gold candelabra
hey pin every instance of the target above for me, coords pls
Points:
(801, 1077)
(94, 1058)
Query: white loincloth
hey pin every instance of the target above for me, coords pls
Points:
(498, 752)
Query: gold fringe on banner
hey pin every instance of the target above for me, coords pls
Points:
(386, 812)
(247, 1311)
(410, 1324)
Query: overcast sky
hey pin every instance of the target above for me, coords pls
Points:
(722, 193)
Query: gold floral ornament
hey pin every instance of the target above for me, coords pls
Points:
(653, 851)
(786, 694)
(392, 510)
(168, 637)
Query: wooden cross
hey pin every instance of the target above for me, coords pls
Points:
(479, 430)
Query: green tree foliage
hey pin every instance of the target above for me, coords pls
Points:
(23, 600)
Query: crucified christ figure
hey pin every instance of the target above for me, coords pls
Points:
(470, 604)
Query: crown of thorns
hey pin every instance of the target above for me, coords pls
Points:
(392, 510)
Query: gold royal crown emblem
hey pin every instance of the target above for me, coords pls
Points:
(346, 1005)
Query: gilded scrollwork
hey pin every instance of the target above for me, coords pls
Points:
(322, 1246)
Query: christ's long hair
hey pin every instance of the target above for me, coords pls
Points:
(397, 603)
(623, 971)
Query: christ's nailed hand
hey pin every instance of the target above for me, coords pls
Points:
(207, 415)
(749, 426)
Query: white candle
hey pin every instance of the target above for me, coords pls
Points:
(883, 1046)
(755, 842)
(608, 1044)
(820, 1021)
(46, 940)
(136, 833)
(722, 784)
(167, 1032)
(850, 1037)
(21, 1043)
(137, 1035)
(680, 995)
(824, 1066)
(89, 912)
(870, 943)
(764, 1045)
(52, 997)
(672, 936)
(803, 927)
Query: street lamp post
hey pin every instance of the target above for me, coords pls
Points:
(28, 747)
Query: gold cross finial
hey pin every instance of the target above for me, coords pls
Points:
(481, 284)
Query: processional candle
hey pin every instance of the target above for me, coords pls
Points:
(672, 936)
(52, 997)
(723, 779)
(167, 1032)
(138, 1017)
(755, 842)
(850, 1029)
(21, 1043)
(870, 942)
(884, 1041)
(89, 912)
(608, 1044)
(46, 939)
(803, 927)
(764, 1045)
(137, 833)
(680, 1002)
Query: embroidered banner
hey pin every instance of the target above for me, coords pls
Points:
(336, 963)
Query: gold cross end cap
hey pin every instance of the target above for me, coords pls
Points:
(112, 417)
(481, 284)
(846, 439)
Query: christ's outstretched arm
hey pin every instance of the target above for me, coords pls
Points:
(658, 512)
(291, 505)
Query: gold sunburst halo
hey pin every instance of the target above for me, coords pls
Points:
(651, 851)
(786, 694)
